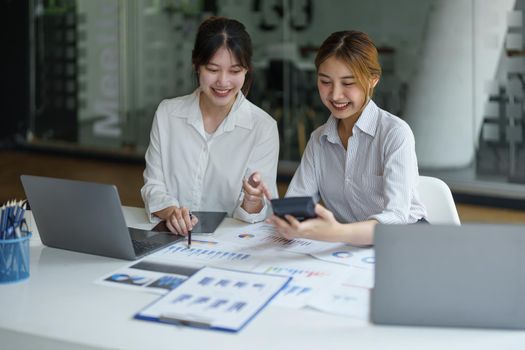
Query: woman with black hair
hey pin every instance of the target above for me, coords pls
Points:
(205, 145)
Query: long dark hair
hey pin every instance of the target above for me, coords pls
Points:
(216, 32)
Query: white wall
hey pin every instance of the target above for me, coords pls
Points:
(447, 95)
(439, 106)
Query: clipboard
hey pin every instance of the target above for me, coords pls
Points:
(208, 222)
(215, 299)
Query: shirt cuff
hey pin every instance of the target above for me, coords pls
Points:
(243, 215)
(155, 208)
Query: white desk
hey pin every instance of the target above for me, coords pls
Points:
(60, 307)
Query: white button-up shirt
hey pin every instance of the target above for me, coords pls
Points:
(374, 178)
(185, 168)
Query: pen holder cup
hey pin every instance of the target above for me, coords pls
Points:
(14, 259)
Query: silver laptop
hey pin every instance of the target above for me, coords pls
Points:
(87, 217)
(458, 276)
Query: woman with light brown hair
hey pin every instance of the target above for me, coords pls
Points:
(362, 162)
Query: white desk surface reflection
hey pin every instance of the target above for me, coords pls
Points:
(60, 307)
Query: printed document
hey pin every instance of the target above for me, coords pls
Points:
(215, 298)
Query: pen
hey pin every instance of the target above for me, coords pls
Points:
(189, 232)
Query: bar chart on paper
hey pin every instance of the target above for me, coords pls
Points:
(283, 242)
(205, 253)
(308, 276)
(295, 272)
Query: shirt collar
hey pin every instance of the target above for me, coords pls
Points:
(367, 123)
(330, 130)
(240, 113)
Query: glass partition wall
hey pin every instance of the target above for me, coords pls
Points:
(451, 68)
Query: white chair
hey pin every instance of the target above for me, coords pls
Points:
(437, 198)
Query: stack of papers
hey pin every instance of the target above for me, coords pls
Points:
(329, 277)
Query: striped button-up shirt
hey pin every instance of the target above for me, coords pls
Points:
(374, 178)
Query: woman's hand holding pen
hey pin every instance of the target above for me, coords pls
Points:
(178, 220)
(255, 191)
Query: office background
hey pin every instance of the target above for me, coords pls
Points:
(84, 77)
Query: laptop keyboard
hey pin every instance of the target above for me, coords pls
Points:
(142, 247)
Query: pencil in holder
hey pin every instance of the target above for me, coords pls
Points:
(14, 259)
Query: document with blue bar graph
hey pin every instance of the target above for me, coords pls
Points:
(215, 298)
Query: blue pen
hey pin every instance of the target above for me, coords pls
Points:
(14, 215)
(22, 212)
(3, 223)
(8, 219)
(10, 212)
(9, 223)
(20, 215)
